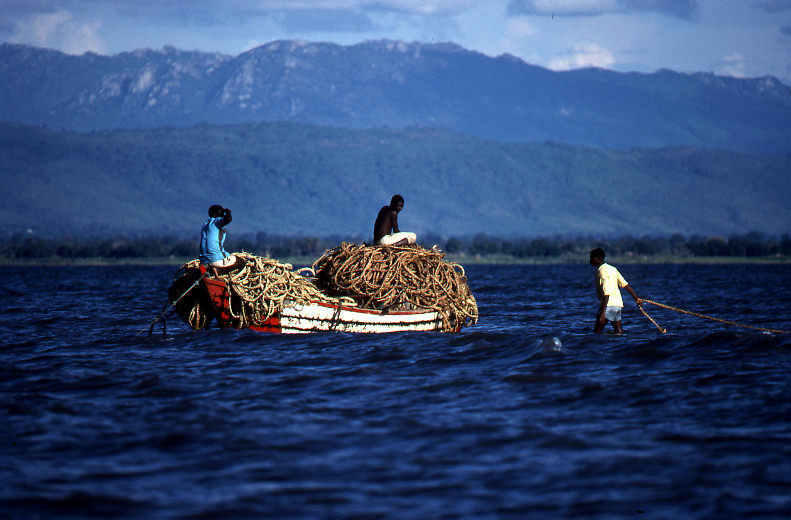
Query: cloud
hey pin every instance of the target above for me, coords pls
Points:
(433, 17)
(23, 7)
(583, 55)
(58, 30)
(324, 20)
(733, 65)
(294, 16)
(208, 9)
(218, 10)
(774, 6)
(515, 36)
(519, 28)
(684, 9)
(423, 7)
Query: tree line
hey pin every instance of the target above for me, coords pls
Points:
(751, 245)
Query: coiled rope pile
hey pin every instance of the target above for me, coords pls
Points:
(371, 277)
(397, 278)
(259, 290)
(264, 286)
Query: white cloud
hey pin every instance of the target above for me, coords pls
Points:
(519, 28)
(516, 35)
(733, 65)
(583, 55)
(40, 29)
(775, 6)
(429, 6)
(58, 30)
(441, 7)
(685, 9)
(572, 6)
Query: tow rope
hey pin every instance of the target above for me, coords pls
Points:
(662, 330)
(169, 307)
(676, 309)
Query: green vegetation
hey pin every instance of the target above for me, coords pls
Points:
(302, 180)
(478, 248)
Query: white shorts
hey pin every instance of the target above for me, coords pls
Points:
(225, 262)
(612, 313)
(398, 237)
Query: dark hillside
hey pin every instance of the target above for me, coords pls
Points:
(290, 178)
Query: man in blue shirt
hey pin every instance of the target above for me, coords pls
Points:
(212, 239)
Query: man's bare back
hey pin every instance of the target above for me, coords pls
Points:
(386, 220)
(386, 230)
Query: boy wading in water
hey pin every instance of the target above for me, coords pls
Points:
(608, 280)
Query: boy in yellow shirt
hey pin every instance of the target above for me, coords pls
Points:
(608, 280)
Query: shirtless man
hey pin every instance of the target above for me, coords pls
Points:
(386, 230)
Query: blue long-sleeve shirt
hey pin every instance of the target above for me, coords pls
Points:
(212, 239)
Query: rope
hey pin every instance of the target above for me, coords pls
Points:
(652, 319)
(263, 287)
(371, 277)
(398, 277)
(712, 318)
(167, 307)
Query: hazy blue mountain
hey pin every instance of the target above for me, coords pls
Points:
(302, 179)
(393, 84)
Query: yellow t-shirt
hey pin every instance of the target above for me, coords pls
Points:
(608, 280)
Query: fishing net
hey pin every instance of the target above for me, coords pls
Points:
(258, 290)
(371, 277)
(264, 286)
(398, 278)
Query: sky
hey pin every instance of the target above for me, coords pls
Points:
(743, 38)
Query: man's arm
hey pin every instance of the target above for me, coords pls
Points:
(637, 300)
(600, 317)
(394, 221)
(226, 218)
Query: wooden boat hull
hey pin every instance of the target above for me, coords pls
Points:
(323, 316)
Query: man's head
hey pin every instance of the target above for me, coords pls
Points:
(397, 202)
(597, 257)
(215, 211)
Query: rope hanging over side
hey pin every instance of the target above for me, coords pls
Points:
(676, 309)
(168, 308)
(192, 305)
(397, 278)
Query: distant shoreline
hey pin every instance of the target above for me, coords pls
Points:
(457, 259)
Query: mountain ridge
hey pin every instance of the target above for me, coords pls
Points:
(393, 84)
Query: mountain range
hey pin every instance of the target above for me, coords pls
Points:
(389, 84)
(299, 179)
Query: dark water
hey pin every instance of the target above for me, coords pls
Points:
(494, 422)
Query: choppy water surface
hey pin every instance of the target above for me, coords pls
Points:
(525, 415)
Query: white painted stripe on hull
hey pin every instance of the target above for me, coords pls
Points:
(310, 317)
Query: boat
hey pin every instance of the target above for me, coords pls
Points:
(317, 316)
(396, 290)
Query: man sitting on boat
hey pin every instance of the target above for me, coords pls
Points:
(386, 230)
(212, 240)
